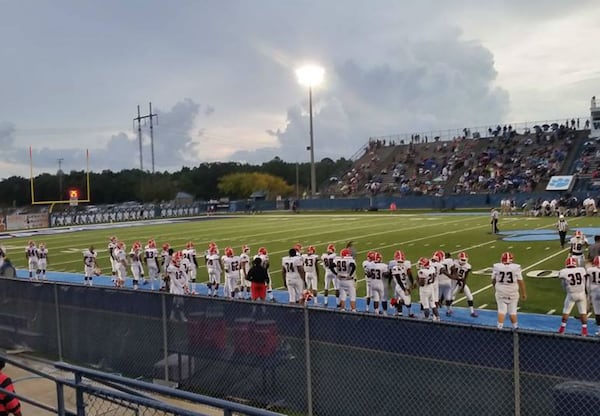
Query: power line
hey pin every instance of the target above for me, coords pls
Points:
(139, 119)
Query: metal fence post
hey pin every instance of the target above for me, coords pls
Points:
(58, 331)
(309, 403)
(165, 338)
(517, 375)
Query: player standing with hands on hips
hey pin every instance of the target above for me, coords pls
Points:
(507, 280)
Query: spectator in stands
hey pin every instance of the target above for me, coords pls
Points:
(9, 404)
(594, 249)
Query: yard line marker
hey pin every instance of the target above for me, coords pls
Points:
(483, 306)
(551, 311)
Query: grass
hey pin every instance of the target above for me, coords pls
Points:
(417, 234)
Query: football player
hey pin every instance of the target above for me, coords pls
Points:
(427, 275)
(177, 285)
(330, 280)
(378, 272)
(244, 267)
(32, 259)
(344, 268)
(89, 265)
(593, 272)
(574, 279)
(508, 284)
(311, 271)
(231, 267)
(165, 255)
(42, 254)
(2, 255)
(214, 267)
(578, 244)
(401, 272)
(366, 265)
(151, 260)
(112, 247)
(462, 268)
(121, 258)
(292, 270)
(135, 259)
(190, 254)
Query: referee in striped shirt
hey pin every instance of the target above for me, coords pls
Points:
(563, 228)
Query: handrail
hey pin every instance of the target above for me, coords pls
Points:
(179, 394)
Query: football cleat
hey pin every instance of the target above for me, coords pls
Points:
(229, 252)
(462, 257)
(596, 261)
(399, 256)
(474, 314)
(311, 250)
(424, 262)
(571, 262)
(331, 248)
(507, 257)
(346, 253)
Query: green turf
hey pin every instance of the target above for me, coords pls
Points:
(417, 234)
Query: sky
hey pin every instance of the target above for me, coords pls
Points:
(221, 75)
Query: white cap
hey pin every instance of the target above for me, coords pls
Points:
(561, 217)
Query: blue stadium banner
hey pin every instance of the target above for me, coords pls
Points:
(560, 183)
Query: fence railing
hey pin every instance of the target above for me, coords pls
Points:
(298, 360)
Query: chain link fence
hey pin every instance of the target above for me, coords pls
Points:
(297, 360)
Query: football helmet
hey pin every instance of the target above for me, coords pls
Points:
(438, 255)
(121, 245)
(596, 261)
(298, 248)
(507, 257)
(31, 243)
(42, 246)
(166, 246)
(245, 248)
(578, 234)
(189, 244)
(346, 253)
(371, 255)
(113, 238)
(424, 262)
(311, 250)
(262, 251)
(462, 257)
(213, 250)
(571, 262)
(151, 243)
(378, 257)
(176, 259)
(229, 252)
(399, 255)
(331, 248)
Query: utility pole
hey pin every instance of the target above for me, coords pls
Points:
(139, 119)
(60, 178)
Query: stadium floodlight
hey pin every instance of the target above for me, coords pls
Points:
(311, 76)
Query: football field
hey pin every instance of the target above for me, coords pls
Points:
(534, 242)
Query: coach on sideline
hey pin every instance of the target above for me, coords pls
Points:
(259, 279)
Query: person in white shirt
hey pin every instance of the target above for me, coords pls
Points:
(178, 285)
(427, 275)
(344, 268)
(462, 268)
(190, 254)
(401, 271)
(151, 260)
(574, 279)
(330, 279)
(292, 269)
(32, 259)
(121, 258)
(42, 254)
(593, 272)
(213, 266)
(508, 283)
(311, 270)
(135, 258)
(244, 268)
(578, 244)
(231, 267)
(377, 272)
(366, 266)
(89, 265)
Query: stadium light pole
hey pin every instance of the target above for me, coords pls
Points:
(311, 76)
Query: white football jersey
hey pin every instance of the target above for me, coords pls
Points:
(310, 262)
(231, 265)
(462, 269)
(244, 263)
(89, 258)
(575, 279)
(292, 266)
(177, 280)
(212, 263)
(428, 275)
(399, 272)
(594, 277)
(328, 259)
(345, 267)
(378, 270)
(577, 245)
(506, 277)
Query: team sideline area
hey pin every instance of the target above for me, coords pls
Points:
(530, 321)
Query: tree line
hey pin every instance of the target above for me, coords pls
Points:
(204, 182)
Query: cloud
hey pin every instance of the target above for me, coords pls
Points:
(424, 85)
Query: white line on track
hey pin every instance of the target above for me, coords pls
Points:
(551, 311)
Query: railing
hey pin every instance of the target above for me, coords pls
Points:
(98, 392)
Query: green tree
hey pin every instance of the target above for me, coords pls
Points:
(242, 185)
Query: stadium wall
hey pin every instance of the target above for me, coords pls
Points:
(302, 360)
